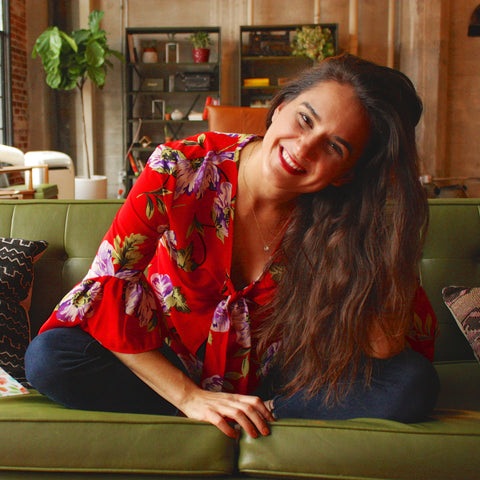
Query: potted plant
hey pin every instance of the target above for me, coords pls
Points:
(201, 41)
(70, 61)
(315, 43)
(150, 54)
(167, 134)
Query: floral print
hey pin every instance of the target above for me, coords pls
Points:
(221, 320)
(79, 302)
(241, 323)
(162, 272)
(222, 207)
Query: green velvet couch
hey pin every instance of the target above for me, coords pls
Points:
(41, 440)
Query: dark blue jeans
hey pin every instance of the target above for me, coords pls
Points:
(73, 369)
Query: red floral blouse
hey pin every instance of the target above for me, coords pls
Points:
(161, 273)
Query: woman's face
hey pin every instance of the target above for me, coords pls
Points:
(315, 139)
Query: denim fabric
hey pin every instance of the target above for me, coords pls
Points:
(404, 388)
(73, 369)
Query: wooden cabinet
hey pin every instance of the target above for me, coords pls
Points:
(267, 59)
(165, 89)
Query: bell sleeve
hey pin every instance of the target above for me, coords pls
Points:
(114, 302)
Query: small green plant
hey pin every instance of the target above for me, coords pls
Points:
(70, 60)
(315, 43)
(200, 39)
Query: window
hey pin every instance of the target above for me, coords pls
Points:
(5, 99)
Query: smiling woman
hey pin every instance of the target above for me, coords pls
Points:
(361, 233)
(318, 137)
(248, 278)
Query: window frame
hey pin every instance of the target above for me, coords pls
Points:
(6, 130)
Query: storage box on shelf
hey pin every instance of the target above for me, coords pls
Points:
(166, 90)
(267, 60)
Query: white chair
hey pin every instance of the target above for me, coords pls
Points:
(12, 160)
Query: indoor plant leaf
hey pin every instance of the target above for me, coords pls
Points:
(69, 60)
(95, 54)
(97, 75)
(94, 20)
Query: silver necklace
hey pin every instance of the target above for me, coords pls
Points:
(279, 230)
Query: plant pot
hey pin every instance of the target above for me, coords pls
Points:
(150, 55)
(91, 188)
(201, 55)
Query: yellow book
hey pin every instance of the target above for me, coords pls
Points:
(256, 82)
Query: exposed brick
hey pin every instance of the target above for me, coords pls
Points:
(19, 73)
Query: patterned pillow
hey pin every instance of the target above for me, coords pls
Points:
(464, 303)
(16, 280)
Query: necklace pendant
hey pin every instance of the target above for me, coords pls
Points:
(266, 248)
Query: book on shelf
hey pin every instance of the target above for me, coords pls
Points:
(136, 164)
(133, 164)
(132, 51)
(209, 101)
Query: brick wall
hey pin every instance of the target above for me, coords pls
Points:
(18, 51)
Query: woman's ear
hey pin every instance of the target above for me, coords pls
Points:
(277, 111)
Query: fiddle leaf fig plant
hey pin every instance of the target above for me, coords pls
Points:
(70, 60)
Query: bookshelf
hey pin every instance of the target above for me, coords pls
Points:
(165, 89)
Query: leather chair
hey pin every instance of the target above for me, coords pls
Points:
(230, 119)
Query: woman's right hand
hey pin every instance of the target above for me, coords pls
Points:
(224, 409)
(218, 408)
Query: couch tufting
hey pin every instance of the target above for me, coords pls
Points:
(41, 440)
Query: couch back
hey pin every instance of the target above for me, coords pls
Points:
(451, 256)
(75, 228)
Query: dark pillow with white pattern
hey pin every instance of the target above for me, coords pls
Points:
(464, 304)
(17, 257)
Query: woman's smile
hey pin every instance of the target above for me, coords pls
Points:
(314, 140)
(289, 164)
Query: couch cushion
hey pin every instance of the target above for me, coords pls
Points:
(442, 448)
(48, 437)
(367, 449)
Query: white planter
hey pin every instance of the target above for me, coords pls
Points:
(90, 188)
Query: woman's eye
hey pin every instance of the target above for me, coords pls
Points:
(304, 120)
(335, 148)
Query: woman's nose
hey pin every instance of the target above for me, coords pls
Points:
(306, 146)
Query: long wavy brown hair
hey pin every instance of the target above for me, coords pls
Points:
(351, 251)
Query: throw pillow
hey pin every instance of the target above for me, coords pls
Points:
(464, 303)
(17, 257)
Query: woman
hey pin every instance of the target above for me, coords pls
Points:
(284, 277)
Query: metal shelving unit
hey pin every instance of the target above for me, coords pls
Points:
(171, 81)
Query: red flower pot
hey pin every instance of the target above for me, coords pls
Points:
(201, 55)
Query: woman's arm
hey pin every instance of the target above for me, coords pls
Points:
(217, 408)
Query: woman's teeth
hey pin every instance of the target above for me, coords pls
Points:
(290, 162)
